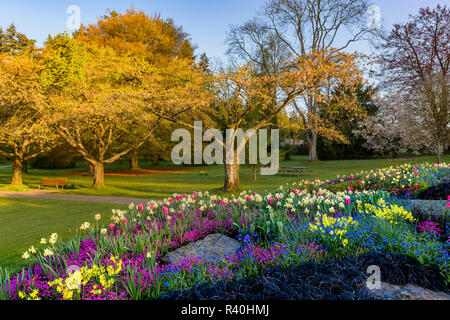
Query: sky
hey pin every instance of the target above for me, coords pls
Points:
(207, 21)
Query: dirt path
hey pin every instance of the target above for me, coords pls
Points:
(52, 195)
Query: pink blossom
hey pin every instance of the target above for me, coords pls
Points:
(165, 210)
(140, 207)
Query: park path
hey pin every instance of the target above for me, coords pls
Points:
(52, 195)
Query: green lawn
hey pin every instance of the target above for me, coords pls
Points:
(24, 221)
(201, 179)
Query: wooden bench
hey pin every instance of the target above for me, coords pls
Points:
(57, 182)
(292, 171)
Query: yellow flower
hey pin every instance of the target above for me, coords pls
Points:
(48, 252)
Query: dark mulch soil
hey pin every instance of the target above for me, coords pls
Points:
(333, 279)
(439, 192)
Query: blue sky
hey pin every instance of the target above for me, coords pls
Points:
(205, 20)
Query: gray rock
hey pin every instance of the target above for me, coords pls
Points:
(212, 247)
(408, 292)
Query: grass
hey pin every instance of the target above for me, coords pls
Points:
(203, 178)
(23, 222)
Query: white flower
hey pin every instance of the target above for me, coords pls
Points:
(43, 241)
(103, 231)
(85, 226)
(26, 255)
(48, 252)
(98, 216)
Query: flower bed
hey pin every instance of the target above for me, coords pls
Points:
(306, 222)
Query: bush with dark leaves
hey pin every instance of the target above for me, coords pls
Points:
(439, 192)
(337, 279)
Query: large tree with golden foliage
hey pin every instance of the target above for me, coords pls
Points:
(108, 107)
(134, 33)
(24, 133)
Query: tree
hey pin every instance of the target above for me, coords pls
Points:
(112, 100)
(300, 27)
(24, 133)
(241, 91)
(13, 42)
(346, 120)
(134, 33)
(415, 59)
(396, 127)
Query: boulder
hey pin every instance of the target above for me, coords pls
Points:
(212, 247)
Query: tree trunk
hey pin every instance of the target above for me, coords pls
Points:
(231, 177)
(254, 172)
(17, 172)
(155, 159)
(99, 175)
(231, 173)
(25, 166)
(438, 151)
(90, 169)
(134, 160)
(311, 137)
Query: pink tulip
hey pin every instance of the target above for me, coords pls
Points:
(348, 201)
(270, 201)
(140, 207)
(165, 210)
(111, 226)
